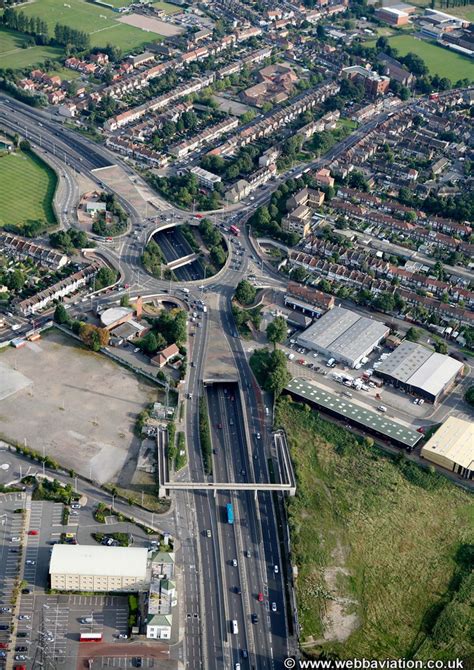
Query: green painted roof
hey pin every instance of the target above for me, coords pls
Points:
(160, 620)
(354, 412)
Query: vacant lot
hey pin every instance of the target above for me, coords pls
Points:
(440, 61)
(152, 25)
(101, 23)
(12, 55)
(27, 188)
(80, 407)
(376, 542)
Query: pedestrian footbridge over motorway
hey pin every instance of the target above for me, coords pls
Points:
(285, 474)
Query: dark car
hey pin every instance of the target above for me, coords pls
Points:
(4, 627)
(21, 648)
(137, 662)
(22, 633)
(254, 618)
(238, 590)
(25, 591)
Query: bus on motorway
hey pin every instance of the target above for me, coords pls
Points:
(90, 637)
(230, 513)
(234, 230)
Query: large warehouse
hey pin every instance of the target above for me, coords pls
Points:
(98, 568)
(420, 371)
(452, 447)
(344, 335)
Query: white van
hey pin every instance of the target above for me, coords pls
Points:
(235, 627)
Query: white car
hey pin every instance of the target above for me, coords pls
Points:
(16, 539)
(30, 562)
(234, 562)
(276, 569)
(274, 607)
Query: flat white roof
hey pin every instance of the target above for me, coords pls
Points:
(113, 314)
(418, 366)
(344, 333)
(76, 559)
(454, 441)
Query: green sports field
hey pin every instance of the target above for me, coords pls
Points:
(12, 55)
(101, 23)
(27, 188)
(440, 61)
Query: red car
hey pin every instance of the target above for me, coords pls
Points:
(32, 532)
(3, 645)
(260, 597)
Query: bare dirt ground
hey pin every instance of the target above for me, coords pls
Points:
(340, 618)
(138, 193)
(79, 407)
(152, 25)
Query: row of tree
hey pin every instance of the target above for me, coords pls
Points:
(38, 28)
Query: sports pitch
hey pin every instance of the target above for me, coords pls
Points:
(27, 188)
(439, 61)
(99, 22)
(12, 54)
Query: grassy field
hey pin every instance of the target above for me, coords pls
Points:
(12, 55)
(440, 61)
(101, 23)
(167, 8)
(27, 188)
(65, 73)
(466, 12)
(376, 543)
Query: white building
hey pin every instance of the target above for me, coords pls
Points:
(98, 568)
(206, 178)
(344, 335)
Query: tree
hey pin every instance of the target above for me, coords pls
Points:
(105, 277)
(125, 300)
(149, 343)
(245, 292)
(60, 314)
(277, 331)
(469, 396)
(93, 337)
(413, 334)
(440, 346)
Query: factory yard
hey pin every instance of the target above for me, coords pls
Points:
(77, 406)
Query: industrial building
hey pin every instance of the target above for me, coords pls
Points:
(98, 568)
(452, 447)
(344, 335)
(420, 371)
(377, 424)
